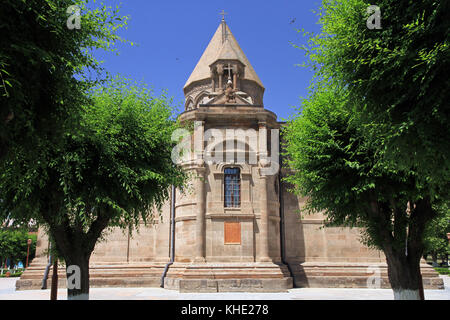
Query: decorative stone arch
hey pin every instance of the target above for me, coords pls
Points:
(189, 105)
(244, 168)
(200, 97)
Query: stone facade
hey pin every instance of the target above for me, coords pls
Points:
(255, 239)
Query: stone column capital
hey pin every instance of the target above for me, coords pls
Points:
(200, 171)
(264, 162)
(200, 165)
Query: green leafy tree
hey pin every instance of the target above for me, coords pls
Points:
(46, 67)
(116, 170)
(382, 147)
(344, 176)
(436, 241)
(14, 245)
(398, 74)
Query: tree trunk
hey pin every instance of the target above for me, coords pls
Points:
(434, 257)
(54, 287)
(404, 276)
(77, 271)
(76, 247)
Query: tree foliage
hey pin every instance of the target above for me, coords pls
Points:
(120, 160)
(14, 245)
(398, 75)
(341, 172)
(45, 68)
(436, 241)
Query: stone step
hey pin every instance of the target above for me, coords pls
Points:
(35, 284)
(233, 275)
(354, 271)
(353, 275)
(229, 285)
(133, 271)
(96, 275)
(103, 266)
(357, 282)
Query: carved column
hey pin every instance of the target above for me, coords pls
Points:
(200, 232)
(264, 221)
(235, 72)
(200, 169)
(213, 81)
(199, 134)
(220, 73)
(263, 204)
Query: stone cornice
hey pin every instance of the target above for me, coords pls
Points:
(226, 113)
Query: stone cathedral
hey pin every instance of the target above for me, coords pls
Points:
(236, 227)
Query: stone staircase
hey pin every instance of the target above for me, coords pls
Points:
(229, 277)
(353, 275)
(185, 277)
(100, 275)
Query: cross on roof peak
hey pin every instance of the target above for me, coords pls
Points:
(224, 28)
(223, 13)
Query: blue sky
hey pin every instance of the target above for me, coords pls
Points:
(172, 35)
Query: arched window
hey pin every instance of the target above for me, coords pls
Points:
(232, 187)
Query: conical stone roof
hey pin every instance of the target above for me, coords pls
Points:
(222, 48)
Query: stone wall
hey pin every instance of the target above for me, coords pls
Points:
(150, 243)
(307, 239)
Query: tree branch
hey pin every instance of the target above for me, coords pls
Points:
(96, 229)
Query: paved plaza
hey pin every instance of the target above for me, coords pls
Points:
(8, 292)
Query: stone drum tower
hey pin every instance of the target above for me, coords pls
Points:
(228, 226)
